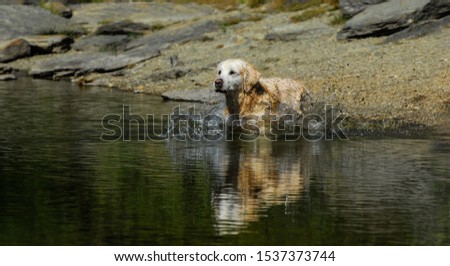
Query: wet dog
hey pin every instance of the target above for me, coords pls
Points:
(250, 96)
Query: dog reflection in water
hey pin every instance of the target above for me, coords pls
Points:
(255, 179)
(247, 178)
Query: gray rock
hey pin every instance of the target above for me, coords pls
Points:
(45, 44)
(149, 13)
(393, 16)
(18, 20)
(170, 74)
(205, 95)
(4, 69)
(352, 7)
(124, 27)
(419, 29)
(102, 43)
(297, 31)
(66, 13)
(19, 2)
(435, 9)
(14, 50)
(59, 9)
(166, 37)
(6, 77)
(34, 45)
(82, 63)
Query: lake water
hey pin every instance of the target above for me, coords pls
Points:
(61, 185)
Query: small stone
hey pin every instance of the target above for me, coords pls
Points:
(59, 9)
(21, 20)
(6, 77)
(83, 63)
(4, 69)
(45, 44)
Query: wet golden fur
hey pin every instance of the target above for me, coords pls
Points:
(249, 95)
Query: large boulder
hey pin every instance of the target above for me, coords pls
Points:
(18, 21)
(136, 51)
(14, 50)
(434, 9)
(352, 7)
(34, 45)
(45, 44)
(126, 27)
(299, 31)
(419, 29)
(102, 43)
(82, 63)
(149, 13)
(183, 34)
(393, 16)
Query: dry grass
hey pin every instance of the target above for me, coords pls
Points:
(309, 14)
(157, 26)
(338, 19)
(332, 2)
(221, 4)
(281, 6)
(273, 4)
(236, 20)
(224, 4)
(255, 3)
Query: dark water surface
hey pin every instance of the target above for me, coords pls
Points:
(61, 185)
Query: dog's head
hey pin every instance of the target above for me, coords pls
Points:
(235, 75)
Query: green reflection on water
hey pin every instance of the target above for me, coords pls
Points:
(60, 185)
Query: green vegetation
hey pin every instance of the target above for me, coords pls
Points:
(105, 21)
(157, 26)
(310, 4)
(72, 32)
(280, 5)
(236, 20)
(338, 19)
(255, 3)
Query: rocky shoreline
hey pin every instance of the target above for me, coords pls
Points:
(391, 78)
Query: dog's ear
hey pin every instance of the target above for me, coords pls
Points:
(250, 77)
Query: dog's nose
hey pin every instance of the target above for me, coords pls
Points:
(218, 83)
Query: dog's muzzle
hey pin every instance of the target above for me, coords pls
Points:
(218, 83)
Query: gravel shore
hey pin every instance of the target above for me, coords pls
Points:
(400, 87)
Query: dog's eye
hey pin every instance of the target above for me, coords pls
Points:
(232, 72)
(220, 72)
